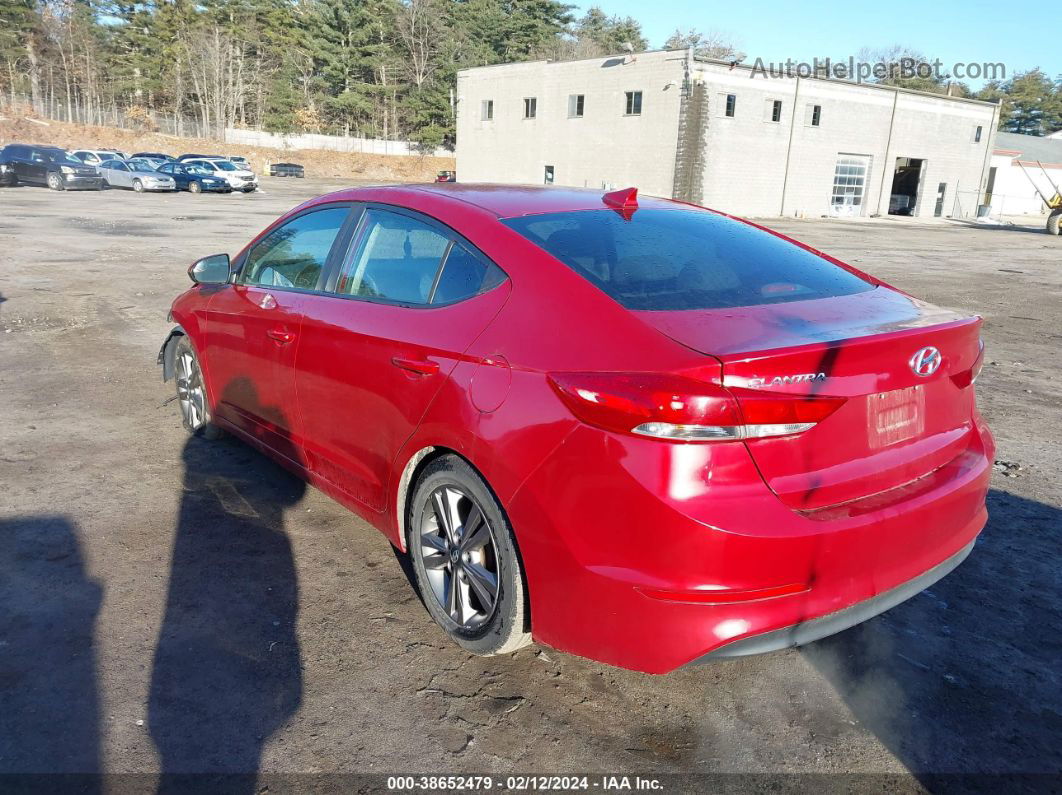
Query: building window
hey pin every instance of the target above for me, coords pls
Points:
(774, 110)
(731, 105)
(977, 134)
(849, 184)
(816, 115)
(576, 102)
(487, 110)
(548, 179)
(530, 107)
(634, 103)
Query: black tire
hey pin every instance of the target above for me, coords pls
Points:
(1053, 222)
(195, 187)
(138, 186)
(55, 182)
(507, 625)
(203, 425)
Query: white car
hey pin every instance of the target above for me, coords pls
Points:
(238, 178)
(131, 174)
(93, 157)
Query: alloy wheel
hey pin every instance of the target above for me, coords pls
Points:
(460, 557)
(190, 392)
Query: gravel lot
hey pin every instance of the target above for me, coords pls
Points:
(180, 606)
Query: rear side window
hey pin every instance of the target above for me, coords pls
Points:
(293, 255)
(464, 274)
(396, 259)
(684, 259)
(408, 261)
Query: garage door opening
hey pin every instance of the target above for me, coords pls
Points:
(906, 186)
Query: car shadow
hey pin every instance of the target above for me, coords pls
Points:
(227, 668)
(49, 703)
(962, 680)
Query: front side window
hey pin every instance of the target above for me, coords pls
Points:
(684, 259)
(530, 107)
(634, 103)
(294, 254)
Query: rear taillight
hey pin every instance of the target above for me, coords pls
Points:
(684, 409)
(967, 377)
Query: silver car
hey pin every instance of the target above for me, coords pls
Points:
(139, 176)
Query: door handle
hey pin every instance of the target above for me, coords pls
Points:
(418, 366)
(281, 336)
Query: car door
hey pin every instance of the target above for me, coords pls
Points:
(252, 326)
(116, 173)
(177, 172)
(35, 168)
(406, 303)
(18, 156)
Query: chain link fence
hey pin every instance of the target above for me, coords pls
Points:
(132, 117)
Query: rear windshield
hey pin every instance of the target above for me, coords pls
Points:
(684, 259)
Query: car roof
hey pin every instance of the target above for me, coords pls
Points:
(504, 201)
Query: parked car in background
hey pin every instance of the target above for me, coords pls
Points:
(286, 170)
(728, 443)
(240, 161)
(47, 165)
(94, 157)
(7, 174)
(446, 176)
(194, 179)
(138, 176)
(182, 158)
(155, 156)
(238, 178)
(151, 162)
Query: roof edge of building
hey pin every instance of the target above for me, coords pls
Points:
(730, 65)
(559, 61)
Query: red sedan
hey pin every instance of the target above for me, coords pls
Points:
(636, 430)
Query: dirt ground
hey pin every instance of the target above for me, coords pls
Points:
(168, 604)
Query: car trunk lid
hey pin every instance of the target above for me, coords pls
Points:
(895, 425)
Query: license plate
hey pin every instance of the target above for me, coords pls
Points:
(896, 416)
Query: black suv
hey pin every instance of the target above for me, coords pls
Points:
(46, 165)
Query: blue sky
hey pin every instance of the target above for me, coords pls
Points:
(1021, 35)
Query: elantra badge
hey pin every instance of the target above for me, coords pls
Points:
(779, 380)
(926, 361)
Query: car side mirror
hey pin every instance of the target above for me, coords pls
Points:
(214, 269)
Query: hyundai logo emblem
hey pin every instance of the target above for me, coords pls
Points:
(926, 361)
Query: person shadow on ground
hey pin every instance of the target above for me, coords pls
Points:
(227, 670)
(49, 694)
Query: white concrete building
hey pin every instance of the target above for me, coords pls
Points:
(724, 136)
(1015, 177)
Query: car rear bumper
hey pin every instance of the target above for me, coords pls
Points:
(814, 629)
(669, 554)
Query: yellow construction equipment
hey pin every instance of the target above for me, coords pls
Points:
(1054, 204)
